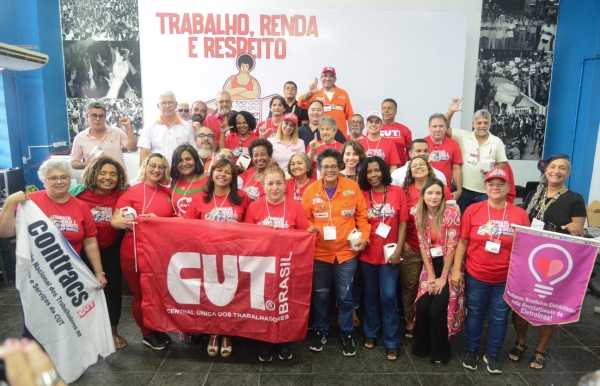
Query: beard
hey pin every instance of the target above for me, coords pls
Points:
(204, 152)
(198, 118)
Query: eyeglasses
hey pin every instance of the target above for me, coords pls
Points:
(167, 103)
(97, 116)
(221, 156)
(330, 167)
(156, 166)
(54, 180)
(183, 110)
(202, 136)
(357, 123)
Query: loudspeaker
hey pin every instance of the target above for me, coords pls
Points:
(11, 181)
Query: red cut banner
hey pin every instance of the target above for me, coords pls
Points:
(225, 278)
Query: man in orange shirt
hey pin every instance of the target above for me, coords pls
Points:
(336, 102)
(336, 206)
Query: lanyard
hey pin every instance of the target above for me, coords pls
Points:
(184, 194)
(490, 221)
(369, 146)
(144, 206)
(269, 213)
(375, 207)
(218, 208)
(297, 189)
(329, 220)
(544, 206)
(251, 179)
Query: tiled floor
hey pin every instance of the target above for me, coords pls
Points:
(574, 350)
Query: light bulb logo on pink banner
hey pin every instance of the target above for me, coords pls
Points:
(548, 276)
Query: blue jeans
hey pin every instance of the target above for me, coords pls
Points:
(342, 275)
(380, 281)
(485, 298)
(469, 197)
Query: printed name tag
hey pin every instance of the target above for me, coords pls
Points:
(473, 159)
(321, 215)
(326, 109)
(383, 230)
(329, 233)
(492, 246)
(436, 252)
(537, 224)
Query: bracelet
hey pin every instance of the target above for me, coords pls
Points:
(447, 266)
(101, 273)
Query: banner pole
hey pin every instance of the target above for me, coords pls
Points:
(577, 238)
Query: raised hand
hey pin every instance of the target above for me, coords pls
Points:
(125, 122)
(314, 87)
(455, 105)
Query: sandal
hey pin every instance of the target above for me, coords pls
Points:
(538, 360)
(409, 334)
(226, 347)
(119, 341)
(370, 343)
(392, 354)
(516, 351)
(213, 346)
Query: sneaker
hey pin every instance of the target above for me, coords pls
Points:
(493, 364)
(166, 338)
(470, 361)
(155, 341)
(264, 354)
(285, 353)
(349, 345)
(318, 341)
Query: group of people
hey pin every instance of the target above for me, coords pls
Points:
(430, 216)
(505, 30)
(108, 20)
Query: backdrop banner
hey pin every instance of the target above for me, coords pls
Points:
(61, 307)
(548, 275)
(225, 278)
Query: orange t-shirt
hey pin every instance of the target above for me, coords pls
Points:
(338, 108)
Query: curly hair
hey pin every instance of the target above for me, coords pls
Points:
(91, 172)
(330, 153)
(386, 177)
(249, 118)
(261, 142)
(53, 164)
(409, 179)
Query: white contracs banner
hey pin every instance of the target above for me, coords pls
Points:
(62, 309)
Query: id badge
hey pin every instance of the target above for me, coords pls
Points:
(436, 251)
(492, 246)
(473, 159)
(329, 233)
(537, 224)
(327, 108)
(383, 230)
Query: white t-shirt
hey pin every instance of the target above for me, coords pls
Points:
(399, 175)
(160, 138)
(491, 149)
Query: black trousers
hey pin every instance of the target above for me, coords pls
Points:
(111, 263)
(431, 334)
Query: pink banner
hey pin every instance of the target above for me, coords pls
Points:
(548, 276)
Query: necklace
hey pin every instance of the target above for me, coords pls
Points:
(184, 193)
(298, 188)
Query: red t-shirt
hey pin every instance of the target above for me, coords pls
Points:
(402, 137)
(218, 209)
(72, 218)
(156, 200)
(443, 155)
(393, 212)
(102, 208)
(254, 189)
(239, 146)
(293, 191)
(336, 145)
(482, 265)
(288, 214)
(411, 228)
(383, 148)
(184, 193)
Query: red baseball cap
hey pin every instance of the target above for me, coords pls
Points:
(291, 117)
(328, 69)
(496, 173)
